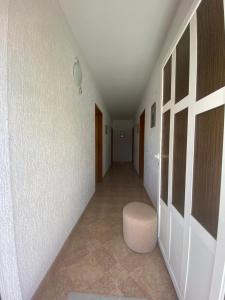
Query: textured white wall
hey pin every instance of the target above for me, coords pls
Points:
(51, 135)
(153, 94)
(122, 148)
(9, 279)
(151, 139)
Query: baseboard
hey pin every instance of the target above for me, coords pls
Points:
(180, 297)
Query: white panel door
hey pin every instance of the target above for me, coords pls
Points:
(195, 259)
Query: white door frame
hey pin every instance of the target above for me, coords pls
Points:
(218, 282)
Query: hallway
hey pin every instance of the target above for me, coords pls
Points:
(95, 259)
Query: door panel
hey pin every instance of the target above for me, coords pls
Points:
(176, 249)
(207, 168)
(211, 63)
(164, 228)
(192, 198)
(167, 81)
(179, 160)
(182, 66)
(165, 156)
(201, 258)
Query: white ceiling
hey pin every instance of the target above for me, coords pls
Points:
(121, 40)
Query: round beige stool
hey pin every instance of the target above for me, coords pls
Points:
(140, 227)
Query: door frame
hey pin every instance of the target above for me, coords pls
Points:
(141, 144)
(111, 146)
(132, 145)
(98, 145)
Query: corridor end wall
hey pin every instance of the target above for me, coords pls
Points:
(122, 147)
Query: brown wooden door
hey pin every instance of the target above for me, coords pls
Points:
(98, 144)
(141, 144)
(132, 145)
(111, 146)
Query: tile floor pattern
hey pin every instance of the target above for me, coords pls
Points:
(95, 258)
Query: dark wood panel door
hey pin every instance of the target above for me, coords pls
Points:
(132, 145)
(179, 159)
(207, 168)
(211, 47)
(165, 156)
(182, 66)
(111, 147)
(98, 144)
(167, 81)
(141, 144)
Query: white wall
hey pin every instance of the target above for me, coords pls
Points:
(50, 134)
(153, 94)
(122, 147)
(9, 279)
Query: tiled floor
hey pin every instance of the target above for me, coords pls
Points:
(95, 259)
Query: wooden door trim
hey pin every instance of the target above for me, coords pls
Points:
(141, 144)
(111, 146)
(98, 144)
(132, 145)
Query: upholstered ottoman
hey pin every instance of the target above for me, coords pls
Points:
(140, 227)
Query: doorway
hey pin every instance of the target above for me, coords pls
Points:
(132, 145)
(98, 144)
(111, 146)
(142, 145)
